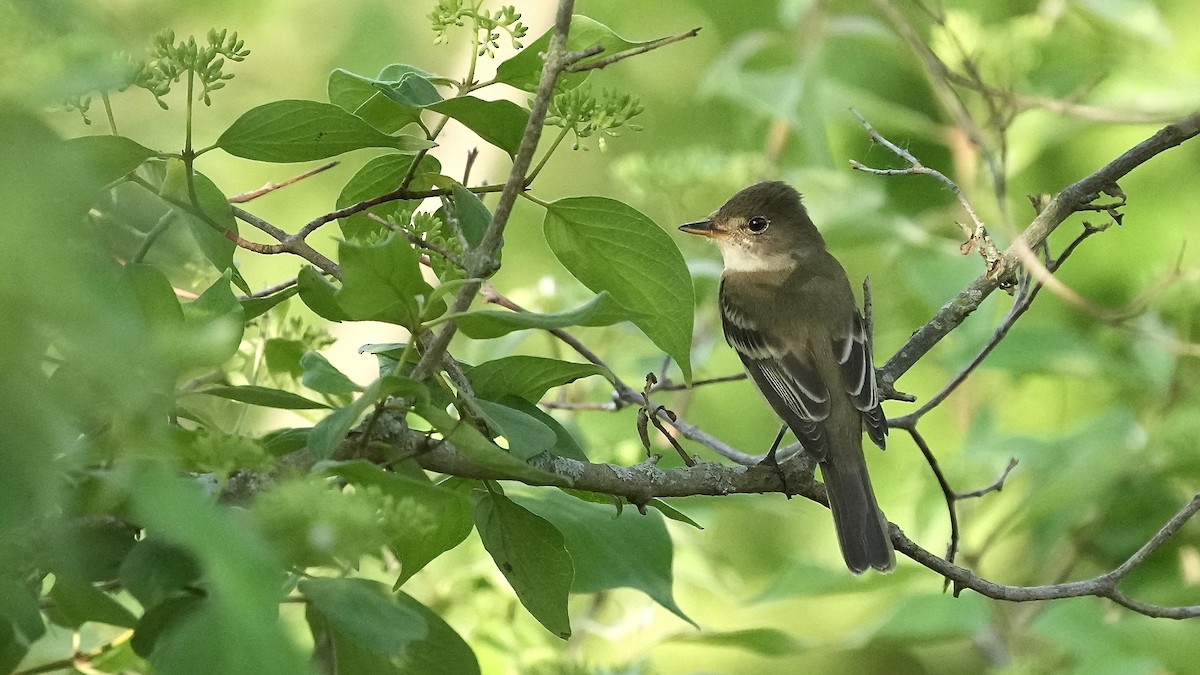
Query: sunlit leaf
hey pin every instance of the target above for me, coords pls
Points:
(499, 122)
(300, 131)
(612, 247)
(490, 323)
(527, 377)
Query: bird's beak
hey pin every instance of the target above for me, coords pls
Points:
(704, 228)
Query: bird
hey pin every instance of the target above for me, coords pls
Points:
(788, 311)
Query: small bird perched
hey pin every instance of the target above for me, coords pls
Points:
(788, 310)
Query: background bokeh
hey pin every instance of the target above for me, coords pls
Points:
(1102, 415)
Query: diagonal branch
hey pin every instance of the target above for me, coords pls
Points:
(481, 260)
(1071, 199)
(621, 56)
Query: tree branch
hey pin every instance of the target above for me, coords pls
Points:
(1070, 200)
(481, 260)
(621, 56)
(639, 484)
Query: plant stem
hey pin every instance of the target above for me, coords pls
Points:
(112, 121)
(553, 146)
(152, 236)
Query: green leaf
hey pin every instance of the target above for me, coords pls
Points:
(565, 444)
(283, 356)
(389, 101)
(478, 448)
(21, 622)
(237, 627)
(384, 283)
(332, 430)
(252, 308)
(432, 519)
(525, 68)
(319, 294)
(441, 652)
(285, 441)
(104, 159)
(300, 131)
(473, 217)
(336, 652)
(362, 611)
(407, 86)
(98, 546)
(672, 513)
(215, 245)
(532, 555)
(156, 570)
(612, 247)
(526, 435)
(761, 641)
(162, 619)
(379, 176)
(629, 551)
(263, 396)
(527, 377)
(500, 122)
(154, 296)
(214, 324)
(481, 324)
(320, 375)
(76, 601)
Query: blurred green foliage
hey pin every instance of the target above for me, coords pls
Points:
(137, 381)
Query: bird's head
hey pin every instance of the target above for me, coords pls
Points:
(763, 227)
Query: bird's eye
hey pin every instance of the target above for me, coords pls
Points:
(757, 224)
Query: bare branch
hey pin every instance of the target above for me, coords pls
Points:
(639, 484)
(271, 290)
(667, 385)
(1068, 201)
(995, 486)
(272, 186)
(621, 56)
(977, 235)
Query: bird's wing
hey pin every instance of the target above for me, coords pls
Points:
(853, 352)
(787, 377)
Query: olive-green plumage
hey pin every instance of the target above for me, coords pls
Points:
(788, 309)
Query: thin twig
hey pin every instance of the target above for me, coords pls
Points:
(947, 492)
(399, 194)
(625, 395)
(621, 56)
(271, 290)
(272, 186)
(667, 385)
(286, 244)
(995, 486)
(977, 234)
(1066, 202)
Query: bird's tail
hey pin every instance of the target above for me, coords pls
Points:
(862, 530)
